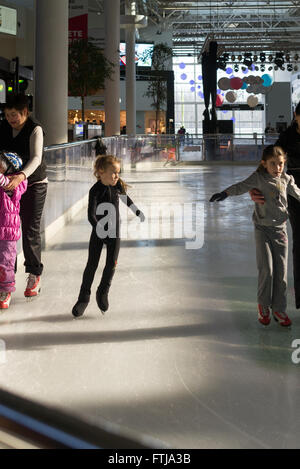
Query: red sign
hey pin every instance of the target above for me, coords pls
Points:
(78, 27)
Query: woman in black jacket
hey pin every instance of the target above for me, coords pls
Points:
(19, 133)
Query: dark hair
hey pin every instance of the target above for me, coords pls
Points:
(4, 164)
(17, 101)
(297, 110)
(100, 147)
(269, 152)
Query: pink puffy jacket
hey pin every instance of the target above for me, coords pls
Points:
(9, 213)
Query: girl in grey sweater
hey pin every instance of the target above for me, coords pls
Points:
(270, 231)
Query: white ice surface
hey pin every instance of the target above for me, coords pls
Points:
(180, 355)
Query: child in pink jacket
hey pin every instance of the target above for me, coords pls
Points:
(9, 225)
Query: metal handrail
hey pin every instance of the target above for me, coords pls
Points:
(51, 428)
(69, 144)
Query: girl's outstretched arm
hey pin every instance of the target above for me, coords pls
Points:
(130, 204)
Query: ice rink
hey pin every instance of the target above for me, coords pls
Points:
(180, 355)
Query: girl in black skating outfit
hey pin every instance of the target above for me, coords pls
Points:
(103, 214)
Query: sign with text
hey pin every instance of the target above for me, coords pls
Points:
(8, 20)
(78, 19)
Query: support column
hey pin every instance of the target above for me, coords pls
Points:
(130, 82)
(51, 69)
(131, 21)
(130, 73)
(112, 86)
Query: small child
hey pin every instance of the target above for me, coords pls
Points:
(9, 225)
(270, 231)
(106, 230)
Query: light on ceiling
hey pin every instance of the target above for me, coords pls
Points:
(262, 57)
(279, 61)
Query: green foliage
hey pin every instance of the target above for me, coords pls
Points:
(88, 69)
(157, 87)
(160, 56)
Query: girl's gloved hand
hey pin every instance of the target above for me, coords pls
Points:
(140, 215)
(219, 197)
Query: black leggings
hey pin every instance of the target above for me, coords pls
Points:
(31, 209)
(95, 249)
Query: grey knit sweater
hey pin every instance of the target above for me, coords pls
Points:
(274, 211)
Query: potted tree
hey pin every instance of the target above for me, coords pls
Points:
(88, 70)
(157, 87)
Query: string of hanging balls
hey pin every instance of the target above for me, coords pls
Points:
(251, 84)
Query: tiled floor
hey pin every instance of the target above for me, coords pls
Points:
(180, 355)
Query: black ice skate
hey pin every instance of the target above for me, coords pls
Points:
(79, 308)
(102, 299)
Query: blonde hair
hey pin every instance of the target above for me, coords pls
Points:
(102, 163)
(269, 152)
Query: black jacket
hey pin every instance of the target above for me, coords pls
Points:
(21, 145)
(100, 194)
(289, 140)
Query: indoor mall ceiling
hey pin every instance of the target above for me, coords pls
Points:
(237, 25)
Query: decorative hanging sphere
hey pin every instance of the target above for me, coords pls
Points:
(236, 83)
(266, 89)
(244, 86)
(252, 101)
(267, 80)
(219, 100)
(224, 83)
(231, 96)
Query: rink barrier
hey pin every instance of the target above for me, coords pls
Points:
(70, 165)
(27, 424)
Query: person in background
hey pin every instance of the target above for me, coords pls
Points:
(268, 128)
(289, 140)
(21, 134)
